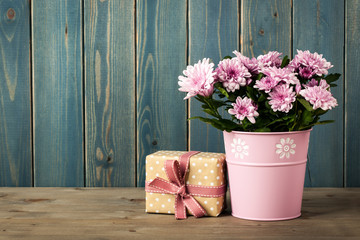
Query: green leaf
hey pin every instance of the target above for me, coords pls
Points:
(285, 61)
(227, 57)
(319, 112)
(324, 122)
(262, 97)
(332, 77)
(210, 112)
(259, 76)
(333, 85)
(306, 118)
(222, 90)
(250, 93)
(264, 129)
(306, 104)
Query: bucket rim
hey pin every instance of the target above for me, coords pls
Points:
(268, 133)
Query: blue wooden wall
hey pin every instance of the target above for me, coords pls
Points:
(88, 88)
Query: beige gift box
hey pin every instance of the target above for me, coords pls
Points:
(205, 169)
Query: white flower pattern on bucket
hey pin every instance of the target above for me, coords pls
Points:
(239, 148)
(286, 147)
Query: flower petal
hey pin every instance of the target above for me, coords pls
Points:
(279, 145)
(278, 151)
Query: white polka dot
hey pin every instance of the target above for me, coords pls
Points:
(212, 184)
(193, 164)
(145, 198)
(146, 161)
(151, 193)
(169, 200)
(157, 211)
(217, 203)
(157, 199)
(163, 156)
(162, 205)
(205, 164)
(205, 202)
(221, 183)
(200, 158)
(193, 176)
(163, 194)
(151, 204)
(157, 162)
(217, 177)
(163, 169)
(212, 209)
(199, 183)
(145, 174)
(151, 156)
(157, 174)
(169, 211)
(205, 177)
(187, 182)
(213, 159)
(199, 170)
(151, 168)
(218, 165)
(212, 171)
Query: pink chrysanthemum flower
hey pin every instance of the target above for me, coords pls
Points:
(244, 108)
(271, 59)
(266, 84)
(311, 83)
(309, 64)
(281, 98)
(198, 79)
(250, 64)
(319, 97)
(232, 74)
(314, 82)
(324, 84)
(283, 75)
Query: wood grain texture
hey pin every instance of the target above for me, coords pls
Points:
(214, 34)
(318, 27)
(119, 213)
(57, 91)
(161, 57)
(265, 26)
(352, 89)
(109, 93)
(15, 119)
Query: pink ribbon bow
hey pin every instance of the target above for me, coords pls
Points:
(176, 173)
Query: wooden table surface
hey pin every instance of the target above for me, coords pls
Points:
(119, 213)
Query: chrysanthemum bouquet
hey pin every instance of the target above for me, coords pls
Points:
(263, 94)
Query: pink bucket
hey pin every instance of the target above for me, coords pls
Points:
(266, 173)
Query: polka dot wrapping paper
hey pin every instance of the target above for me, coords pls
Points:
(205, 169)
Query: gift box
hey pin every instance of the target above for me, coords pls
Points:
(185, 182)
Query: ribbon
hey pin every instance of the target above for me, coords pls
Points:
(176, 172)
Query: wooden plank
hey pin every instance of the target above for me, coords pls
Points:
(161, 57)
(318, 27)
(119, 213)
(109, 93)
(352, 89)
(57, 91)
(265, 26)
(213, 33)
(15, 119)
